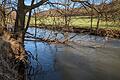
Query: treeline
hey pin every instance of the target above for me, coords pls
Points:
(104, 14)
(7, 15)
(106, 9)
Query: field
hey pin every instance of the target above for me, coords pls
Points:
(76, 21)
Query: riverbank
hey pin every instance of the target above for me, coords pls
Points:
(103, 32)
(12, 58)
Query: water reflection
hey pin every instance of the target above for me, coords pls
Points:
(76, 61)
(42, 61)
(74, 37)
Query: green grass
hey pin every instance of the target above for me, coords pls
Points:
(82, 21)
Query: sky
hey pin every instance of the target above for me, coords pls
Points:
(46, 7)
(28, 2)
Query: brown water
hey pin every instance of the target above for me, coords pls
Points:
(89, 58)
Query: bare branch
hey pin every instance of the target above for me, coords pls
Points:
(36, 5)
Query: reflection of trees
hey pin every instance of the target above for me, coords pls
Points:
(66, 37)
(32, 71)
(51, 36)
(37, 70)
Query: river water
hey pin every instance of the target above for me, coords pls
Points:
(84, 57)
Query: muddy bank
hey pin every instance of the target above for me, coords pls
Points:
(12, 58)
(98, 32)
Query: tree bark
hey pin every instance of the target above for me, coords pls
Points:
(19, 27)
(22, 9)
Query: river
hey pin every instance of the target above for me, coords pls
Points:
(85, 57)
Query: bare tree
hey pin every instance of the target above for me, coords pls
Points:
(22, 9)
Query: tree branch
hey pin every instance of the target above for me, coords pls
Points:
(35, 5)
(29, 17)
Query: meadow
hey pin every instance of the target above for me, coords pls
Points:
(76, 21)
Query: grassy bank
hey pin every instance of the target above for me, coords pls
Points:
(81, 24)
(9, 69)
(76, 21)
(12, 57)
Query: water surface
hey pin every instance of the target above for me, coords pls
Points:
(87, 57)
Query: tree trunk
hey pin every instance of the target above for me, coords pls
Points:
(22, 9)
(20, 22)
(19, 26)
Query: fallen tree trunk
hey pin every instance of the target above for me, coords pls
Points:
(45, 40)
